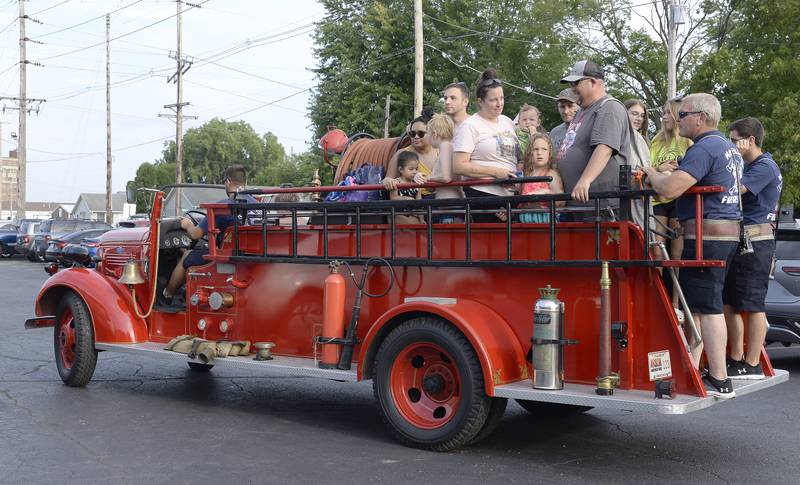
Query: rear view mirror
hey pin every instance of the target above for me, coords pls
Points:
(130, 192)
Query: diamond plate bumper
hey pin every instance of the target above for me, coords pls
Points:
(642, 401)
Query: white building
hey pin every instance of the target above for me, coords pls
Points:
(93, 206)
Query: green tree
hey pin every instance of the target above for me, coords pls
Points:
(366, 51)
(755, 73)
(634, 54)
(209, 149)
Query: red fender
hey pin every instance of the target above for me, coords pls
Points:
(109, 304)
(498, 348)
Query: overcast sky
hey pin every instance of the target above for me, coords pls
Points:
(259, 52)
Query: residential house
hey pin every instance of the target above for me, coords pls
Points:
(93, 206)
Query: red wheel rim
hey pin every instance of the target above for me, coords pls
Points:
(66, 339)
(425, 385)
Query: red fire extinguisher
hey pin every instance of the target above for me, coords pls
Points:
(332, 317)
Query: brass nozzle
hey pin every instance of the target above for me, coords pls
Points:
(605, 277)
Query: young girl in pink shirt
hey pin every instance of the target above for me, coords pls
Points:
(538, 163)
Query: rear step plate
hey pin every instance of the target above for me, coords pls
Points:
(291, 366)
(584, 395)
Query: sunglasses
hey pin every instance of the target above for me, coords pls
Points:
(684, 114)
(416, 134)
(490, 82)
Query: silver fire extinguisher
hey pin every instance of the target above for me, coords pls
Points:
(548, 340)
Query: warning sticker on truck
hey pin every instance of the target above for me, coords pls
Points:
(659, 364)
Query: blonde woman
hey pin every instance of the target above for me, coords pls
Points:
(666, 148)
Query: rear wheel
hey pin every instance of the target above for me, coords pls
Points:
(551, 409)
(429, 385)
(198, 367)
(76, 356)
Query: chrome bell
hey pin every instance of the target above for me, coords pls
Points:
(131, 274)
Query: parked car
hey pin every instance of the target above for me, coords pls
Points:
(55, 228)
(91, 244)
(56, 246)
(783, 294)
(25, 234)
(8, 240)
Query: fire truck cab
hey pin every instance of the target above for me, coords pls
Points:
(447, 320)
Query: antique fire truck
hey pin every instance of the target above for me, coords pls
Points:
(449, 321)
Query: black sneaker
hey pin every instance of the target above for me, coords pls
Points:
(717, 388)
(743, 370)
(733, 366)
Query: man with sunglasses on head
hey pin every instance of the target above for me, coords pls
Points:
(746, 285)
(711, 160)
(596, 140)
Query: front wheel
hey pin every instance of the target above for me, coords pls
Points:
(429, 385)
(76, 356)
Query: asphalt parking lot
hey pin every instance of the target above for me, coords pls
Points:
(141, 420)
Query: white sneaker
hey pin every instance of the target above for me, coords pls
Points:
(680, 315)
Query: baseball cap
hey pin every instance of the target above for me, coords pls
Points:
(582, 70)
(567, 95)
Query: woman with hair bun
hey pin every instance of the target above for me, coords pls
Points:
(486, 144)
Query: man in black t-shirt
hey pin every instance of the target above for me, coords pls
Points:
(748, 277)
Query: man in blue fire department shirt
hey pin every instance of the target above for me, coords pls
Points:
(747, 281)
(712, 160)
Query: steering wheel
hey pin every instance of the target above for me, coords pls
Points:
(196, 223)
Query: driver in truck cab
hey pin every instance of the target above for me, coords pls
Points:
(235, 180)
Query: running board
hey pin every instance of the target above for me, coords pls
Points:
(640, 401)
(291, 366)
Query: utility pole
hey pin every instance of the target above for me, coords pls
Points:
(23, 115)
(182, 65)
(179, 103)
(109, 208)
(419, 58)
(675, 17)
(386, 116)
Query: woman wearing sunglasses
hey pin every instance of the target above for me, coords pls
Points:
(486, 144)
(420, 145)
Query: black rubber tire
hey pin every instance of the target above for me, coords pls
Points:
(31, 257)
(5, 252)
(474, 406)
(496, 411)
(552, 410)
(198, 367)
(85, 355)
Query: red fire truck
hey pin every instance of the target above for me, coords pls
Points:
(447, 320)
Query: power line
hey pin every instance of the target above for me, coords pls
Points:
(91, 19)
(122, 35)
(527, 89)
(51, 8)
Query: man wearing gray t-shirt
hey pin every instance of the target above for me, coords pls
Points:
(596, 141)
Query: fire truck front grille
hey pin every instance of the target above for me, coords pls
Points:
(113, 263)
